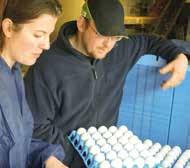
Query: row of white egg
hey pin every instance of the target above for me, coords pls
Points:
(112, 143)
(118, 144)
(130, 160)
(102, 138)
(183, 160)
(108, 144)
(104, 132)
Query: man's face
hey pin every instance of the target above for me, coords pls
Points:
(96, 45)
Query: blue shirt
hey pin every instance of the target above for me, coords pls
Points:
(17, 148)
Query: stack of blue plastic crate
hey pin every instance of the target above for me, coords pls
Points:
(149, 111)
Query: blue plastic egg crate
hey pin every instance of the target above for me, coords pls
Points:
(118, 147)
(82, 150)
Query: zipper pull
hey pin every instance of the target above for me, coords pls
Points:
(95, 73)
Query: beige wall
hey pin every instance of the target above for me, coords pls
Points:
(71, 10)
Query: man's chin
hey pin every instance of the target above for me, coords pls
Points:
(99, 56)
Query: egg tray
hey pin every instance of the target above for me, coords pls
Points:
(118, 147)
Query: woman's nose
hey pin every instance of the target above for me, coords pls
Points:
(45, 45)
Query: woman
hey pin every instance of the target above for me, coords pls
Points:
(25, 26)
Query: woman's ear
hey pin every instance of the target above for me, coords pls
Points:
(7, 27)
(81, 24)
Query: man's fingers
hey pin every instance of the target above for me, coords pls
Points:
(167, 68)
(173, 81)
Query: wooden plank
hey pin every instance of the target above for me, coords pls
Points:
(139, 20)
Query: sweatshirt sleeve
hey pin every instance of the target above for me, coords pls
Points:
(43, 105)
(140, 45)
(40, 151)
(184, 45)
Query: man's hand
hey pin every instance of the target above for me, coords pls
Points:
(178, 69)
(53, 162)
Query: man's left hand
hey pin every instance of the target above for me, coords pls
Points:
(178, 68)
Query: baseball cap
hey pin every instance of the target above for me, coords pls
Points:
(108, 16)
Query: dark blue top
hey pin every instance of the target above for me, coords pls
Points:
(17, 148)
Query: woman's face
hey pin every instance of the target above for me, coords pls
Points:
(25, 45)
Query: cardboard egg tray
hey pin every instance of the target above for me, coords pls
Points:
(118, 147)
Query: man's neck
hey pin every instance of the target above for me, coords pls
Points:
(76, 43)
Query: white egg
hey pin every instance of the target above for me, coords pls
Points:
(96, 136)
(102, 129)
(122, 154)
(134, 154)
(154, 148)
(128, 162)
(181, 162)
(128, 134)
(123, 128)
(157, 146)
(92, 130)
(117, 147)
(133, 139)
(138, 141)
(162, 153)
(89, 143)
(129, 147)
(139, 147)
(116, 163)
(186, 154)
(112, 140)
(173, 154)
(158, 158)
(111, 155)
(147, 143)
(85, 136)
(145, 154)
(94, 150)
(183, 159)
(178, 165)
(123, 140)
(101, 142)
(187, 151)
(106, 148)
(107, 135)
(100, 157)
(169, 159)
(105, 164)
(81, 131)
(118, 134)
(166, 148)
(150, 161)
(153, 151)
(139, 162)
(177, 149)
(112, 129)
(166, 164)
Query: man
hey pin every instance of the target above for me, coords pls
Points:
(79, 81)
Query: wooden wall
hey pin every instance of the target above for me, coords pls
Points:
(71, 10)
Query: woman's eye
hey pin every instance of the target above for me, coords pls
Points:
(38, 35)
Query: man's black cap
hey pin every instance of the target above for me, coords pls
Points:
(108, 16)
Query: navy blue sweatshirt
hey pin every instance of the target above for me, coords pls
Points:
(67, 90)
